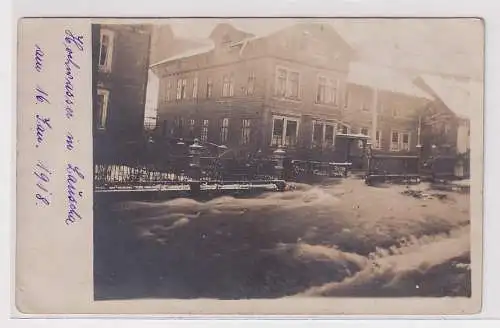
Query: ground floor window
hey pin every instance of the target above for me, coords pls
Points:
(191, 126)
(178, 128)
(285, 131)
(102, 108)
(204, 131)
(400, 140)
(323, 134)
(245, 131)
(344, 129)
(224, 130)
(378, 140)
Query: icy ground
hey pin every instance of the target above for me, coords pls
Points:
(339, 239)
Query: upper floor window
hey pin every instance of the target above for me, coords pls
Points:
(195, 87)
(224, 130)
(395, 112)
(364, 131)
(209, 88)
(168, 90)
(245, 131)
(106, 50)
(327, 91)
(102, 108)
(181, 89)
(365, 104)
(227, 86)
(346, 99)
(287, 83)
(250, 84)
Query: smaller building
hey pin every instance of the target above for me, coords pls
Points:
(447, 121)
(385, 104)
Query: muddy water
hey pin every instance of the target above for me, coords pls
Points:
(339, 239)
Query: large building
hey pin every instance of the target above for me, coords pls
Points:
(120, 61)
(297, 88)
(249, 92)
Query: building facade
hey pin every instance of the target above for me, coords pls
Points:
(121, 61)
(296, 88)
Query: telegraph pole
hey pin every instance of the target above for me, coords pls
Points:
(374, 116)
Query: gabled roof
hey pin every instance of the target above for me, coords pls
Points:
(462, 97)
(209, 46)
(384, 78)
(209, 43)
(306, 26)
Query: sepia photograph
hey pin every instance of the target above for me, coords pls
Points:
(269, 158)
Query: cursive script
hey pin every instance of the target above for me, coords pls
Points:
(38, 58)
(70, 42)
(73, 175)
(42, 174)
(42, 125)
(41, 96)
(70, 141)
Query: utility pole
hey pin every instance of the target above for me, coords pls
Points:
(374, 116)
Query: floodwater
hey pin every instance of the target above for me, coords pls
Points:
(338, 239)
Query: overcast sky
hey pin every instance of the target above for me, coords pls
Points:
(453, 46)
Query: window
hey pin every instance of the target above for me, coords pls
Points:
(363, 131)
(191, 125)
(323, 134)
(245, 132)
(102, 108)
(178, 127)
(291, 130)
(318, 134)
(181, 89)
(378, 140)
(227, 86)
(168, 90)
(400, 141)
(106, 50)
(406, 141)
(395, 112)
(209, 88)
(344, 129)
(365, 104)
(293, 85)
(281, 83)
(251, 84)
(195, 88)
(346, 99)
(204, 131)
(287, 83)
(224, 130)
(330, 134)
(285, 131)
(394, 141)
(327, 91)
